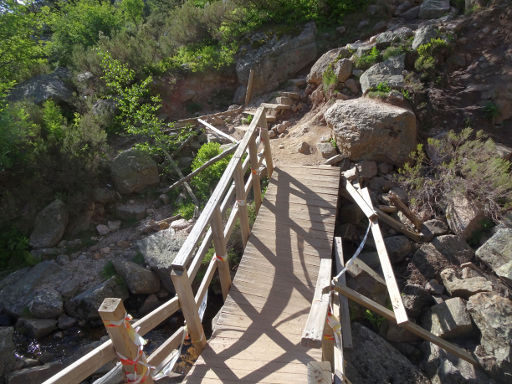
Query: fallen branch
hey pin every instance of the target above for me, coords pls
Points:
(397, 202)
(180, 174)
(218, 131)
(397, 225)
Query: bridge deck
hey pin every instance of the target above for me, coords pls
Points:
(257, 335)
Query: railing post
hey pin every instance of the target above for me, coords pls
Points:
(328, 345)
(113, 314)
(221, 252)
(248, 92)
(189, 308)
(241, 201)
(256, 186)
(266, 143)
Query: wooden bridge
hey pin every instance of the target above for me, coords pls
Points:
(277, 320)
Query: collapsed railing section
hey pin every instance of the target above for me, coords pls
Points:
(210, 227)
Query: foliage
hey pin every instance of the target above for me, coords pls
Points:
(205, 182)
(430, 55)
(381, 90)
(14, 252)
(491, 110)
(374, 319)
(248, 119)
(329, 78)
(198, 58)
(186, 210)
(392, 51)
(366, 60)
(108, 270)
(132, 11)
(459, 164)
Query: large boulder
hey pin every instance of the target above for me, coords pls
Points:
(44, 87)
(36, 327)
(388, 72)
(275, 61)
(375, 361)
(50, 225)
(159, 251)
(432, 9)
(492, 315)
(366, 129)
(464, 218)
(398, 247)
(395, 36)
(133, 171)
(7, 349)
(46, 304)
(497, 253)
(464, 287)
(317, 70)
(454, 248)
(423, 35)
(449, 319)
(139, 279)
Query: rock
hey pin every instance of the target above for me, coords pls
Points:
(492, 315)
(159, 251)
(429, 261)
(85, 305)
(65, 322)
(423, 35)
(398, 248)
(432, 9)
(416, 299)
(151, 302)
(114, 225)
(326, 149)
(276, 61)
(449, 319)
(342, 69)
(7, 349)
(388, 72)
(133, 171)
(385, 168)
(102, 229)
(412, 13)
(315, 74)
(46, 304)
(103, 195)
(396, 334)
(454, 248)
(138, 279)
(363, 23)
(84, 76)
(370, 258)
(436, 227)
(385, 39)
(36, 327)
(131, 210)
(49, 225)
(367, 169)
(375, 361)
(303, 148)
(105, 109)
(40, 88)
(434, 287)
(464, 287)
(366, 129)
(34, 375)
(341, 30)
(497, 253)
(352, 85)
(19, 288)
(180, 224)
(464, 218)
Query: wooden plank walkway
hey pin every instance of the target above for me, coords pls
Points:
(257, 335)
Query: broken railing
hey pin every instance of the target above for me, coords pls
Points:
(229, 196)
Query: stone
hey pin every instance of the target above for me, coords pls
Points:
(159, 251)
(342, 69)
(133, 171)
(180, 224)
(150, 303)
(396, 334)
(429, 261)
(138, 279)
(304, 148)
(464, 287)
(375, 361)
(276, 61)
(352, 85)
(385, 39)
(497, 253)
(102, 229)
(46, 304)
(131, 210)
(423, 35)
(366, 129)
(65, 322)
(341, 29)
(454, 248)
(50, 225)
(104, 109)
(432, 9)
(85, 305)
(385, 168)
(388, 72)
(367, 169)
(103, 195)
(315, 74)
(412, 13)
(35, 375)
(36, 327)
(370, 258)
(449, 319)
(398, 248)
(7, 349)
(434, 287)
(464, 218)
(114, 225)
(492, 315)
(52, 86)
(326, 150)
(416, 299)
(436, 227)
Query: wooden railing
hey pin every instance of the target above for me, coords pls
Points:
(210, 227)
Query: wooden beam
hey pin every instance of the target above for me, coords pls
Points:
(397, 202)
(218, 131)
(411, 327)
(319, 372)
(256, 186)
(360, 201)
(221, 253)
(397, 225)
(250, 84)
(387, 269)
(312, 335)
(345, 312)
(265, 139)
(369, 270)
(242, 203)
(339, 360)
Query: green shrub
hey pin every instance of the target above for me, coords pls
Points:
(367, 60)
(186, 210)
(108, 270)
(205, 182)
(460, 164)
(380, 91)
(491, 110)
(329, 78)
(14, 252)
(430, 55)
(392, 52)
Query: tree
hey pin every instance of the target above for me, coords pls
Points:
(132, 10)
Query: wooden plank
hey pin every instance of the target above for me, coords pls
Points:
(387, 269)
(221, 253)
(250, 84)
(344, 308)
(369, 270)
(313, 331)
(277, 107)
(242, 203)
(265, 139)
(397, 202)
(411, 327)
(339, 361)
(319, 372)
(218, 131)
(256, 185)
(360, 201)
(205, 283)
(397, 225)
(160, 354)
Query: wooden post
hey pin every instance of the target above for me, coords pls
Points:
(266, 143)
(189, 308)
(112, 312)
(221, 252)
(345, 312)
(250, 83)
(256, 186)
(241, 201)
(328, 342)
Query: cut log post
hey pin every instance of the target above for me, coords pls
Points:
(397, 202)
(218, 131)
(345, 312)
(250, 84)
(221, 252)
(241, 202)
(113, 314)
(256, 185)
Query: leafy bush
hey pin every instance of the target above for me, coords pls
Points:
(329, 78)
(205, 182)
(392, 51)
(14, 250)
(458, 164)
(491, 110)
(186, 210)
(367, 60)
(430, 55)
